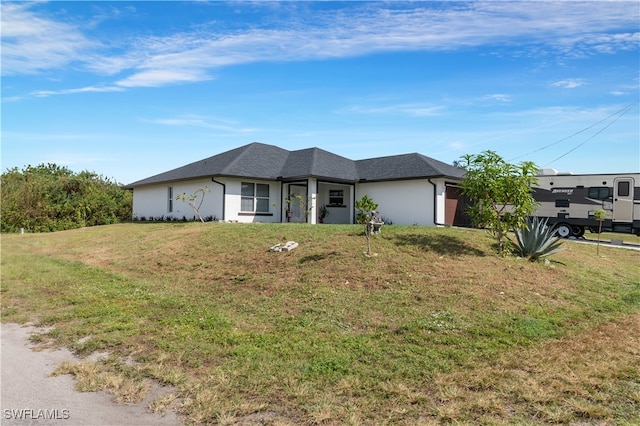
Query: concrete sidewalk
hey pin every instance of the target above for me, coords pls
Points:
(29, 396)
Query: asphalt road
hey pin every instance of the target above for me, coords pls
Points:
(29, 396)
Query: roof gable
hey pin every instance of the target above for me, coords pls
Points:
(256, 160)
(319, 163)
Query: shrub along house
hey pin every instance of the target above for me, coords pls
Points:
(265, 183)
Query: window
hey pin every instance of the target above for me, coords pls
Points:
(599, 192)
(170, 199)
(562, 203)
(254, 197)
(336, 197)
(623, 189)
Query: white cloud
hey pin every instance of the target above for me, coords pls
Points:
(204, 122)
(457, 146)
(416, 110)
(162, 76)
(624, 89)
(499, 97)
(31, 43)
(34, 42)
(571, 83)
(88, 89)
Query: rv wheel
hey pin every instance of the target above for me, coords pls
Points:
(564, 230)
(578, 231)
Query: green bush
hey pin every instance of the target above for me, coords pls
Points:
(53, 198)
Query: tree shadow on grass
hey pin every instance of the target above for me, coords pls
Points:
(317, 257)
(440, 244)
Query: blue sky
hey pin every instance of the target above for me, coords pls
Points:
(131, 89)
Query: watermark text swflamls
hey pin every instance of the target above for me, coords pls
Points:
(36, 414)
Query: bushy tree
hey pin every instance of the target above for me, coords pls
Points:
(52, 198)
(500, 192)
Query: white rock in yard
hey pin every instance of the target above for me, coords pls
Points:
(276, 248)
(289, 246)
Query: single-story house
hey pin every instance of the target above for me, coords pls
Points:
(264, 183)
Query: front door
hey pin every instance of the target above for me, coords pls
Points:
(623, 199)
(298, 203)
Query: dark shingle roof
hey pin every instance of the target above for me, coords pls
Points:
(319, 163)
(261, 161)
(405, 166)
(255, 160)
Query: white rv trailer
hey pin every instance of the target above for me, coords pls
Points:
(569, 201)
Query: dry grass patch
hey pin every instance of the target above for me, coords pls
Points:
(95, 376)
(593, 376)
(436, 328)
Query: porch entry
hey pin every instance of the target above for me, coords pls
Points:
(297, 203)
(335, 203)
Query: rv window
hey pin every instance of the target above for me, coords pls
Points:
(599, 192)
(623, 189)
(562, 203)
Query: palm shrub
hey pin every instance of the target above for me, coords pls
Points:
(536, 239)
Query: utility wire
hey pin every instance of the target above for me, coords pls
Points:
(623, 111)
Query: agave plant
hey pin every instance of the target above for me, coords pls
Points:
(536, 239)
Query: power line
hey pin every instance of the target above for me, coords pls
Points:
(620, 111)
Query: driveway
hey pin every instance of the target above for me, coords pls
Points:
(29, 396)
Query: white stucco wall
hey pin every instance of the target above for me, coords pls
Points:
(406, 202)
(152, 201)
(233, 201)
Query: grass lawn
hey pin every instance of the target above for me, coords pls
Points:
(434, 329)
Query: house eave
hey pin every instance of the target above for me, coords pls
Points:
(397, 179)
(288, 179)
(164, 181)
(299, 178)
(185, 179)
(247, 177)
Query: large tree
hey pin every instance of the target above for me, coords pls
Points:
(499, 192)
(53, 198)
